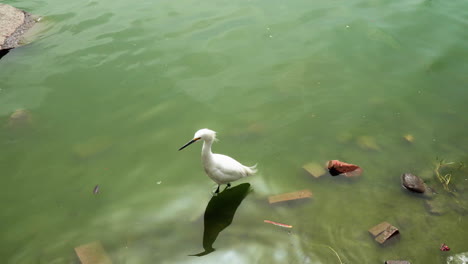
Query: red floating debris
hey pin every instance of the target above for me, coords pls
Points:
(276, 223)
(336, 167)
(444, 247)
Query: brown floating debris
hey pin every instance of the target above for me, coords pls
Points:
(383, 231)
(290, 196)
(385, 235)
(92, 253)
(336, 167)
(376, 230)
(408, 138)
(314, 169)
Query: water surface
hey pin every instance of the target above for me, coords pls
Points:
(114, 88)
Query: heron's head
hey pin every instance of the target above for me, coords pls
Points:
(203, 134)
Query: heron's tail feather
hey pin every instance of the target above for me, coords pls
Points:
(251, 170)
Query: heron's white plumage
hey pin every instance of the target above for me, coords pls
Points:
(220, 168)
(223, 169)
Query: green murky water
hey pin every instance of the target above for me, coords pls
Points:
(114, 88)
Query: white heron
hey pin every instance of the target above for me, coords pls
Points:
(220, 168)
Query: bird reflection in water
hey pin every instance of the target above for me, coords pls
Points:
(219, 214)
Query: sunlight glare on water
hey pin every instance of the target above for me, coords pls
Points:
(114, 88)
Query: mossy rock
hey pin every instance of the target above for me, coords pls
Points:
(368, 143)
(20, 118)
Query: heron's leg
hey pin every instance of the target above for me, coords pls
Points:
(217, 190)
(227, 186)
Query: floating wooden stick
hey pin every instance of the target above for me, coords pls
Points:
(290, 196)
(277, 224)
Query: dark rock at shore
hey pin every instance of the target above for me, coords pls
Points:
(13, 24)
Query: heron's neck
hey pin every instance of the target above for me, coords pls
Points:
(206, 149)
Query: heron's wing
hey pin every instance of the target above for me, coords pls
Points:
(229, 166)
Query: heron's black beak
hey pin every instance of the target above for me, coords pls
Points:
(188, 143)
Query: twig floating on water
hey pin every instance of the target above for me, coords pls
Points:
(277, 224)
(334, 251)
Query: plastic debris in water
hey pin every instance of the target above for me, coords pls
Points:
(96, 189)
(336, 167)
(444, 247)
(277, 224)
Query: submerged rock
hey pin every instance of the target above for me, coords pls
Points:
(368, 143)
(413, 183)
(21, 117)
(460, 206)
(436, 206)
